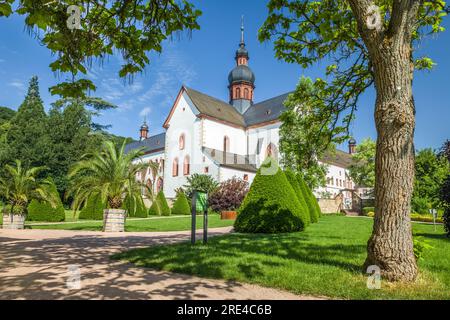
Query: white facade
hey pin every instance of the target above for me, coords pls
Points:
(197, 144)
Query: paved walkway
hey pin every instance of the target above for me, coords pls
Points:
(34, 265)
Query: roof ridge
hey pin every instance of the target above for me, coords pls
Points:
(205, 94)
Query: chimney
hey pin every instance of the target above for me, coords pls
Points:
(352, 146)
(144, 131)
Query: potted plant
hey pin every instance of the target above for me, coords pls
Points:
(18, 187)
(111, 175)
(228, 198)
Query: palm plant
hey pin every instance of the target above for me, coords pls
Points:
(154, 170)
(19, 186)
(109, 173)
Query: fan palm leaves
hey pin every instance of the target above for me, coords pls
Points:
(108, 173)
(154, 170)
(19, 185)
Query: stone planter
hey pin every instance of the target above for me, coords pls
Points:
(114, 220)
(13, 221)
(228, 215)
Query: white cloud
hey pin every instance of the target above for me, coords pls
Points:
(145, 112)
(17, 84)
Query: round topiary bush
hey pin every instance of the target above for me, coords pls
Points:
(135, 209)
(290, 175)
(159, 206)
(311, 201)
(181, 205)
(43, 211)
(271, 205)
(93, 210)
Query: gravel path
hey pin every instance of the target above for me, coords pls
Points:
(35, 264)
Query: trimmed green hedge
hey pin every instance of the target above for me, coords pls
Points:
(290, 175)
(181, 205)
(43, 211)
(311, 201)
(159, 206)
(93, 209)
(135, 209)
(271, 205)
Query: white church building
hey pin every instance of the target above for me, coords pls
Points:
(205, 135)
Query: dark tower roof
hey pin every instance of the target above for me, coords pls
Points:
(241, 73)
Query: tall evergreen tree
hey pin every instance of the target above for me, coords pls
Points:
(27, 136)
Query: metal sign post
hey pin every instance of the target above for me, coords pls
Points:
(205, 225)
(194, 216)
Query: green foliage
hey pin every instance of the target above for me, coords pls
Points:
(27, 138)
(311, 201)
(301, 196)
(160, 207)
(19, 186)
(431, 171)
(44, 211)
(445, 202)
(200, 182)
(93, 210)
(362, 171)
(312, 32)
(295, 135)
(109, 173)
(135, 209)
(420, 205)
(366, 210)
(6, 114)
(132, 28)
(420, 247)
(181, 205)
(271, 205)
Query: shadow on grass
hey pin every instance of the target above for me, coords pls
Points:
(247, 256)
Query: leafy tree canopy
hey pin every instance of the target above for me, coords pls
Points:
(308, 32)
(132, 29)
(362, 171)
(6, 114)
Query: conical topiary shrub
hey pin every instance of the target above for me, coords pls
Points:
(43, 211)
(159, 206)
(271, 205)
(135, 209)
(93, 210)
(290, 175)
(310, 200)
(181, 205)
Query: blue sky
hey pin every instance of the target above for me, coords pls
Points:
(203, 62)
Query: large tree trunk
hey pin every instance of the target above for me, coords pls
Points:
(390, 246)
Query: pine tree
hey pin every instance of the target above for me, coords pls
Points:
(27, 137)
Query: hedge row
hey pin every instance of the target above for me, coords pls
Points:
(93, 210)
(43, 211)
(135, 209)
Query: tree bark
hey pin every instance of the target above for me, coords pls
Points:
(391, 246)
(390, 51)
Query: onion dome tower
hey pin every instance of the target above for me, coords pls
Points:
(241, 79)
(144, 131)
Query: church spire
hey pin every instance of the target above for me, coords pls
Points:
(241, 78)
(242, 31)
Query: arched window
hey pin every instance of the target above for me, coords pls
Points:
(159, 185)
(246, 94)
(226, 144)
(182, 141)
(186, 166)
(175, 167)
(272, 151)
(238, 93)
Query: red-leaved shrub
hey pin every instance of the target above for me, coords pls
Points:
(229, 195)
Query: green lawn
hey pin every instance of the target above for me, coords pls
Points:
(324, 260)
(176, 223)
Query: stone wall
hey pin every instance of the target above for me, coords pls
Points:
(331, 205)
